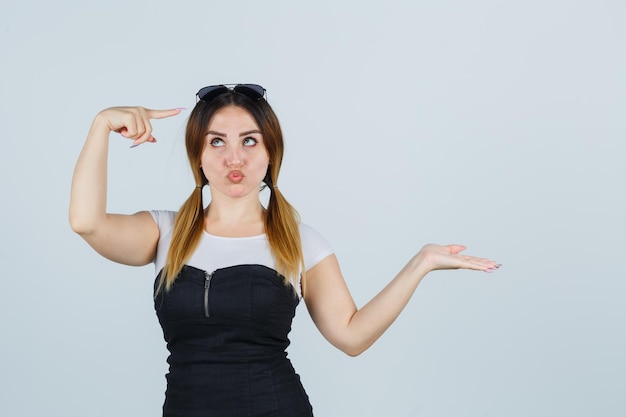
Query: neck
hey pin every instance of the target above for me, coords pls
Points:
(235, 217)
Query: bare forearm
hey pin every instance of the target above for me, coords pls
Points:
(89, 183)
(374, 318)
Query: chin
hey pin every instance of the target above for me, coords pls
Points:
(231, 190)
(236, 191)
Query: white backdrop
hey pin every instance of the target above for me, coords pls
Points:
(499, 125)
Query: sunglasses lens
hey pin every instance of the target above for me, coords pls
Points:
(253, 91)
(207, 94)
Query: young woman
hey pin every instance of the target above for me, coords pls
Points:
(231, 275)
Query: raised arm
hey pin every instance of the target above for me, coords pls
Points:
(127, 239)
(354, 330)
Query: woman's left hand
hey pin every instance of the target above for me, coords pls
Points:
(436, 257)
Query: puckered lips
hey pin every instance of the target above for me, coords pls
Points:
(235, 176)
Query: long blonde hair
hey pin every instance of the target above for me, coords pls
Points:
(281, 219)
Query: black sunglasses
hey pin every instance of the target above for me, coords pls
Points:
(252, 91)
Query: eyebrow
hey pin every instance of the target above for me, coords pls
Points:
(213, 132)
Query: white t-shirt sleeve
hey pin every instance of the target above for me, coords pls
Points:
(163, 218)
(314, 246)
(165, 221)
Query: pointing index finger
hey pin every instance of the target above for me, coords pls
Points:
(162, 114)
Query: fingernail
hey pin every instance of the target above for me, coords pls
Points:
(134, 145)
(498, 265)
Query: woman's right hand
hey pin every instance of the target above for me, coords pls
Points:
(133, 122)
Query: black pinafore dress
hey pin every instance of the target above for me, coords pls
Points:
(227, 334)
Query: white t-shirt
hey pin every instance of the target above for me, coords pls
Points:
(215, 252)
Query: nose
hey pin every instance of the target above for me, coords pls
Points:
(234, 158)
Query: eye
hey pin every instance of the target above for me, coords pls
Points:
(250, 141)
(217, 142)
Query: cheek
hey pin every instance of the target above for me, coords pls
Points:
(257, 158)
(206, 166)
(207, 161)
(263, 164)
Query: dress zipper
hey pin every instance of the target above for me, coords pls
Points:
(207, 284)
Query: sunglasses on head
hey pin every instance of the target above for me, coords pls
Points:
(252, 91)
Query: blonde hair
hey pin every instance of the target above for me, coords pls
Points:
(281, 219)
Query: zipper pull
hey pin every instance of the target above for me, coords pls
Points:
(207, 285)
